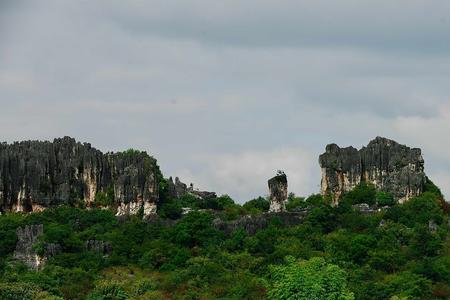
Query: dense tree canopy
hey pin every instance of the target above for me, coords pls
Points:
(312, 279)
(399, 252)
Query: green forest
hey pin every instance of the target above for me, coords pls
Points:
(400, 252)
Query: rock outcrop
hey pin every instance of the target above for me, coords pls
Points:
(388, 165)
(35, 175)
(177, 189)
(278, 188)
(26, 238)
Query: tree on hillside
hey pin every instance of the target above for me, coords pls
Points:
(312, 279)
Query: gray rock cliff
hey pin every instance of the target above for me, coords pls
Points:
(388, 165)
(35, 175)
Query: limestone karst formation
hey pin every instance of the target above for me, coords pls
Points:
(177, 189)
(388, 165)
(35, 175)
(278, 192)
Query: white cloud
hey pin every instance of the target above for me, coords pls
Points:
(432, 133)
(16, 81)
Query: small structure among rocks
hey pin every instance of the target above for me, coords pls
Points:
(278, 188)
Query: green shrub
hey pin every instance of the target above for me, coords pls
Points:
(295, 202)
(363, 193)
(385, 199)
(24, 291)
(310, 279)
(108, 290)
(257, 205)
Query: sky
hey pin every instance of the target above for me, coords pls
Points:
(224, 93)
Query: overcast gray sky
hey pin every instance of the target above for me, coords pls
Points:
(224, 93)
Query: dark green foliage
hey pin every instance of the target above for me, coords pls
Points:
(171, 209)
(316, 200)
(323, 217)
(295, 203)
(432, 188)
(404, 284)
(149, 161)
(23, 291)
(385, 199)
(104, 199)
(109, 290)
(312, 279)
(418, 210)
(363, 193)
(195, 230)
(257, 205)
(216, 203)
(402, 251)
(8, 238)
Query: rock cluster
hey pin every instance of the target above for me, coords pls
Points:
(26, 238)
(177, 189)
(388, 165)
(278, 189)
(35, 175)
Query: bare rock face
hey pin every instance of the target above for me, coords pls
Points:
(278, 188)
(26, 238)
(35, 175)
(388, 165)
(177, 188)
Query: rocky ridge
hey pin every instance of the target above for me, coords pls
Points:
(388, 165)
(35, 175)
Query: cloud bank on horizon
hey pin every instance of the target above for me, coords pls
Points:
(225, 93)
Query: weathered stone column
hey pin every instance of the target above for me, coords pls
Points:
(278, 188)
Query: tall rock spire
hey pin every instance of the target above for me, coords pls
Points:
(278, 188)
